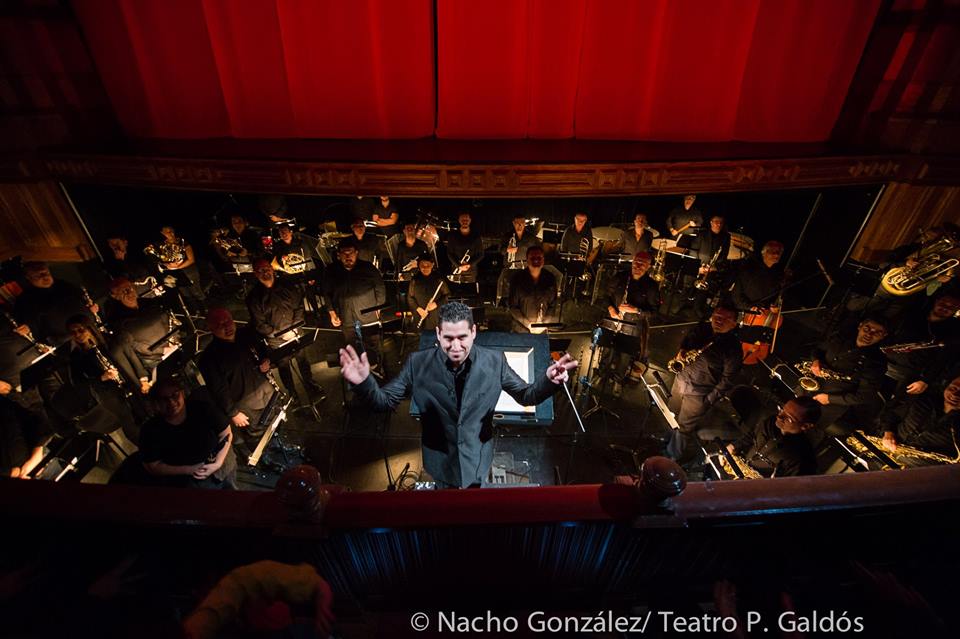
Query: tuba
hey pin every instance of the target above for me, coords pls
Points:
(933, 261)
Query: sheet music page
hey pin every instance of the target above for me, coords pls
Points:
(519, 361)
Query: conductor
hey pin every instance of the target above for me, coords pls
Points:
(456, 386)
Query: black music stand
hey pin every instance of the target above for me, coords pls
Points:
(290, 348)
(173, 281)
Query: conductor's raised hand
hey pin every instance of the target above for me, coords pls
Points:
(557, 372)
(355, 368)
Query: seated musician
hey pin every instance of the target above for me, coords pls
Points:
(138, 323)
(367, 244)
(515, 245)
(578, 237)
(778, 447)
(23, 433)
(45, 305)
(639, 238)
(924, 422)
(711, 355)
(293, 253)
(464, 250)
(632, 297)
(713, 249)
(120, 262)
(236, 377)
(926, 343)
(684, 222)
(351, 286)
(176, 254)
(386, 216)
(237, 244)
(428, 292)
(850, 368)
(16, 354)
(187, 443)
(533, 294)
(276, 304)
(758, 280)
(409, 250)
(911, 256)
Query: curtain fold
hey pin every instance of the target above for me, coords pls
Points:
(659, 70)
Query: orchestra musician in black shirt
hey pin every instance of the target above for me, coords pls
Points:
(533, 294)
(759, 279)
(428, 292)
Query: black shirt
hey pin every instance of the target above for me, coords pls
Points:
(771, 452)
(756, 284)
(533, 301)
(233, 376)
(926, 364)
(679, 217)
(46, 310)
(633, 245)
(458, 244)
(712, 374)
(275, 308)
(422, 289)
(709, 245)
(299, 250)
(919, 421)
(21, 431)
(865, 366)
(407, 253)
(368, 247)
(192, 442)
(349, 292)
(574, 242)
(524, 242)
(643, 293)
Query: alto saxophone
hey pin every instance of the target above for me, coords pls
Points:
(810, 383)
(904, 454)
(685, 358)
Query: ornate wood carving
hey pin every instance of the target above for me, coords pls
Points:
(472, 180)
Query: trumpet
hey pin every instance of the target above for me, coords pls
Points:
(910, 347)
(231, 246)
(703, 278)
(810, 383)
(685, 358)
(657, 273)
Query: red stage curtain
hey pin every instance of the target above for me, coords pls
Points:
(265, 68)
(675, 70)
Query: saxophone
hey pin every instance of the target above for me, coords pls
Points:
(810, 383)
(904, 455)
(739, 468)
(685, 358)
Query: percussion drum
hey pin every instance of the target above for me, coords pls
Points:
(741, 246)
(609, 237)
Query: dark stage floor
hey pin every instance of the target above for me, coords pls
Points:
(352, 447)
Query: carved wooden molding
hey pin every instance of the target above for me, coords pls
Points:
(455, 180)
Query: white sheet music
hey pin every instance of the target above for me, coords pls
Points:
(519, 361)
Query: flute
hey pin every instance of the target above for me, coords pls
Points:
(432, 300)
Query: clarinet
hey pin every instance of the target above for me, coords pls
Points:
(96, 316)
(108, 366)
(40, 347)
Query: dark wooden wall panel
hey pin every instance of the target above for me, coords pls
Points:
(37, 222)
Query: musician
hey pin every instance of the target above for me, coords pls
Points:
(239, 243)
(915, 368)
(367, 244)
(533, 293)
(777, 445)
(119, 262)
(703, 381)
(516, 243)
(351, 286)
(423, 286)
(758, 280)
(182, 260)
(293, 253)
(16, 354)
(578, 237)
(187, 443)
(23, 433)
(457, 387)
(632, 297)
(138, 323)
(458, 243)
(386, 216)
(236, 375)
(850, 402)
(409, 250)
(276, 304)
(924, 422)
(45, 304)
(684, 222)
(639, 238)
